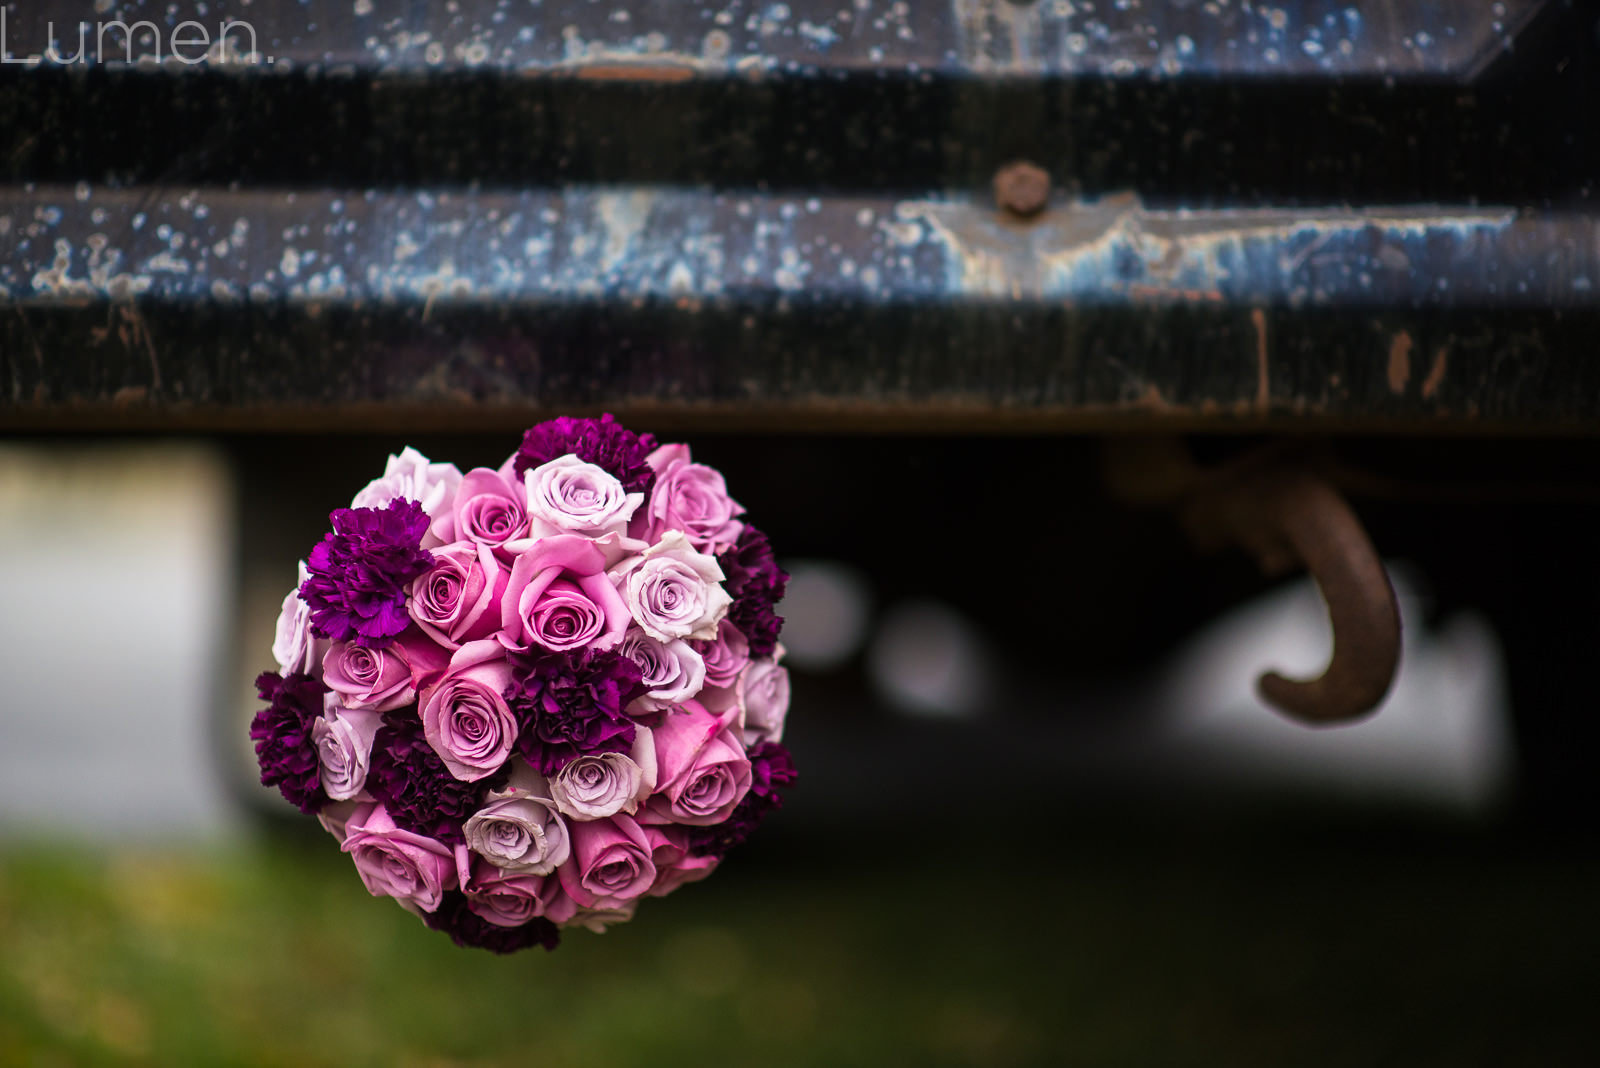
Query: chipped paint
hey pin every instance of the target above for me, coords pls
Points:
(666, 242)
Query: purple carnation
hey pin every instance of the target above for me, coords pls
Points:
(466, 928)
(414, 785)
(282, 733)
(756, 583)
(569, 704)
(603, 442)
(360, 572)
(770, 767)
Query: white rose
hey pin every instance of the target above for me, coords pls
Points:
(568, 496)
(673, 591)
(412, 476)
(343, 738)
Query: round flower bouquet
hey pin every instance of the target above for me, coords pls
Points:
(526, 698)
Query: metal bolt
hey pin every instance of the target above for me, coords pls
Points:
(1022, 189)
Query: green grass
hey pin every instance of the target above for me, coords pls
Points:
(1042, 948)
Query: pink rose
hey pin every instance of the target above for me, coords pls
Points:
(294, 647)
(675, 865)
(674, 591)
(412, 476)
(465, 716)
(560, 597)
(382, 679)
(568, 496)
(343, 737)
(598, 785)
(610, 863)
(673, 671)
(763, 695)
(692, 498)
(505, 898)
(725, 656)
(701, 768)
(458, 599)
(336, 816)
(413, 869)
(519, 830)
(490, 509)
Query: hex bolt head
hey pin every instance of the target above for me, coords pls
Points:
(1022, 188)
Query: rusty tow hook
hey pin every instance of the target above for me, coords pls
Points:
(1283, 511)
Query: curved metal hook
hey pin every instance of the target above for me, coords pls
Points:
(1325, 535)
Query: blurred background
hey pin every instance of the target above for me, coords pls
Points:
(1042, 818)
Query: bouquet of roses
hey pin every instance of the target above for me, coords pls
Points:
(526, 698)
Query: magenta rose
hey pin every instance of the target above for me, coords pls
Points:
(413, 869)
(610, 863)
(763, 694)
(725, 656)
(675, 865)
(692, 498)
(506, 899)
(382, 679)
(464, 715)
(489, 508)
(343, 737)
(560, 597)
(568, 496)
(458, 599)
(701, 769)
(672, 671)
(674, 591)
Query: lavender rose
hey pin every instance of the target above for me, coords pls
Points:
(763, 695)
(725, 656)
(603, 442)
(458, 599)
(489, 508)
(413, 476)
(692, 498)
(672, 671)
(560, 597)
(610, 865)
(294, 647)
(701, 768)
(599, 785)
(568, 496)
(465, 716)
(343, 737)
(413, 869)
(674, 591)
(518, 830)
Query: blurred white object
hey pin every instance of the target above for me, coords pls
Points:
(115, 561)
(1442, 735)
(927, 659)
(824, 611)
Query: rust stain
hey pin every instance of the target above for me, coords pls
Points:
(1263, 382)
(635, 72)
(1430, 385)
(128, 395)
(1400, 361)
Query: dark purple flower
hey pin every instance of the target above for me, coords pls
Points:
(603, 442)
(571, 703)
(361, 571)
(282, 733)
(770, 767)
(466, 928)
(414, 785)
(756, 583)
